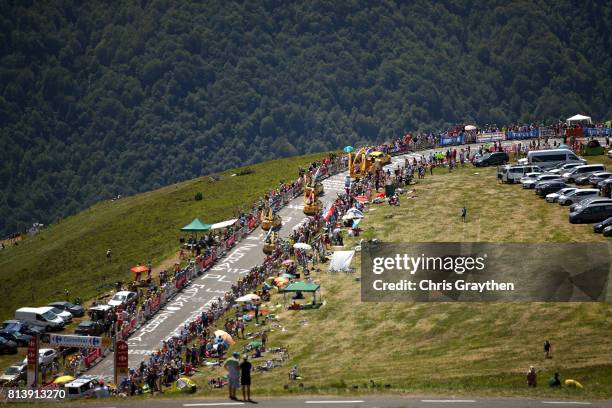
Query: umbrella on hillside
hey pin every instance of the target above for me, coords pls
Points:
(63, 379)
(281, 282)
(186, 384)
(255, 343)
(348, 149)
(139, 269)
(224, 335)
(301, 245)
(251, 297)
(470, 127)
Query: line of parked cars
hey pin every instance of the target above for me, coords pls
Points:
(558, 177)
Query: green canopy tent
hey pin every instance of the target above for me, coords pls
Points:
(304, 287)
(196, 226)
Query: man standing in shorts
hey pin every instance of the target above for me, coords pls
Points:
(232, 366)
(245, 379)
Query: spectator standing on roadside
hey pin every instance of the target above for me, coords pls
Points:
(463, 213)
(245, 378)
(532, 377)
(232, 366)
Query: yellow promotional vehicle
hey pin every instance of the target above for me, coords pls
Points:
(269, 220)
(310, 183)
(361, 163)
(312, 206)
(270, 243)
(381, 157)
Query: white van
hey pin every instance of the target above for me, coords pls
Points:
(36, 315)
(66, 316)
(550, 158)
(513, 174)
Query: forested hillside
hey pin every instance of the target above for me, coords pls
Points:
(115, 97)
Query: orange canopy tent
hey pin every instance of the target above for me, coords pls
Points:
(139, 269)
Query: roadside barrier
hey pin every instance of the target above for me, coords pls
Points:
(92, 356)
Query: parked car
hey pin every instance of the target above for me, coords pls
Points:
(7, 346)
(585, 179)
(66, 316)
(74, 310)
(564, 167)
(552, 197)
(599, 227)
(46, 318)
(598, 177)
(89, 328)
(13, 374)
(531, 183)
(123, 298)
(610, 154)
(589, 201)
(23, 327)
(607, 232)
(579, 194)
(86, 386)
(578, 171)
(543, 189)
(605, 188)
(45, 356)
(492, 159)
(20, 339)
(591, 213)
(530, 176)
(513, 173)
(100, 312)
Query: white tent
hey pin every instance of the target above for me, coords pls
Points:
(341, 261)
(250, 298)
(353, 213)
(470, 127)
(224, 224)
(578, 119)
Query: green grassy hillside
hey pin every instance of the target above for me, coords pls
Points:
(349, 347)
(72, 253)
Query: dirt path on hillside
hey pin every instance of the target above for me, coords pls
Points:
(167, 264)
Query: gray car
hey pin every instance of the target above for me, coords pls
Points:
(588, 201)
(580, 194)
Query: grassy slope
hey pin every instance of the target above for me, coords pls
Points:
(71, 254)
(449, 348)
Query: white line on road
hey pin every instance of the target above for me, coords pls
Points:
(567, 402)
(335, 402)
(453, 400)
(212, 404)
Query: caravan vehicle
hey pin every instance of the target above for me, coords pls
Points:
(550, 158)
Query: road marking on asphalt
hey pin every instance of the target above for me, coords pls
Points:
(452, 400)
(212, 404)
(567, 402)
(334, 402)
